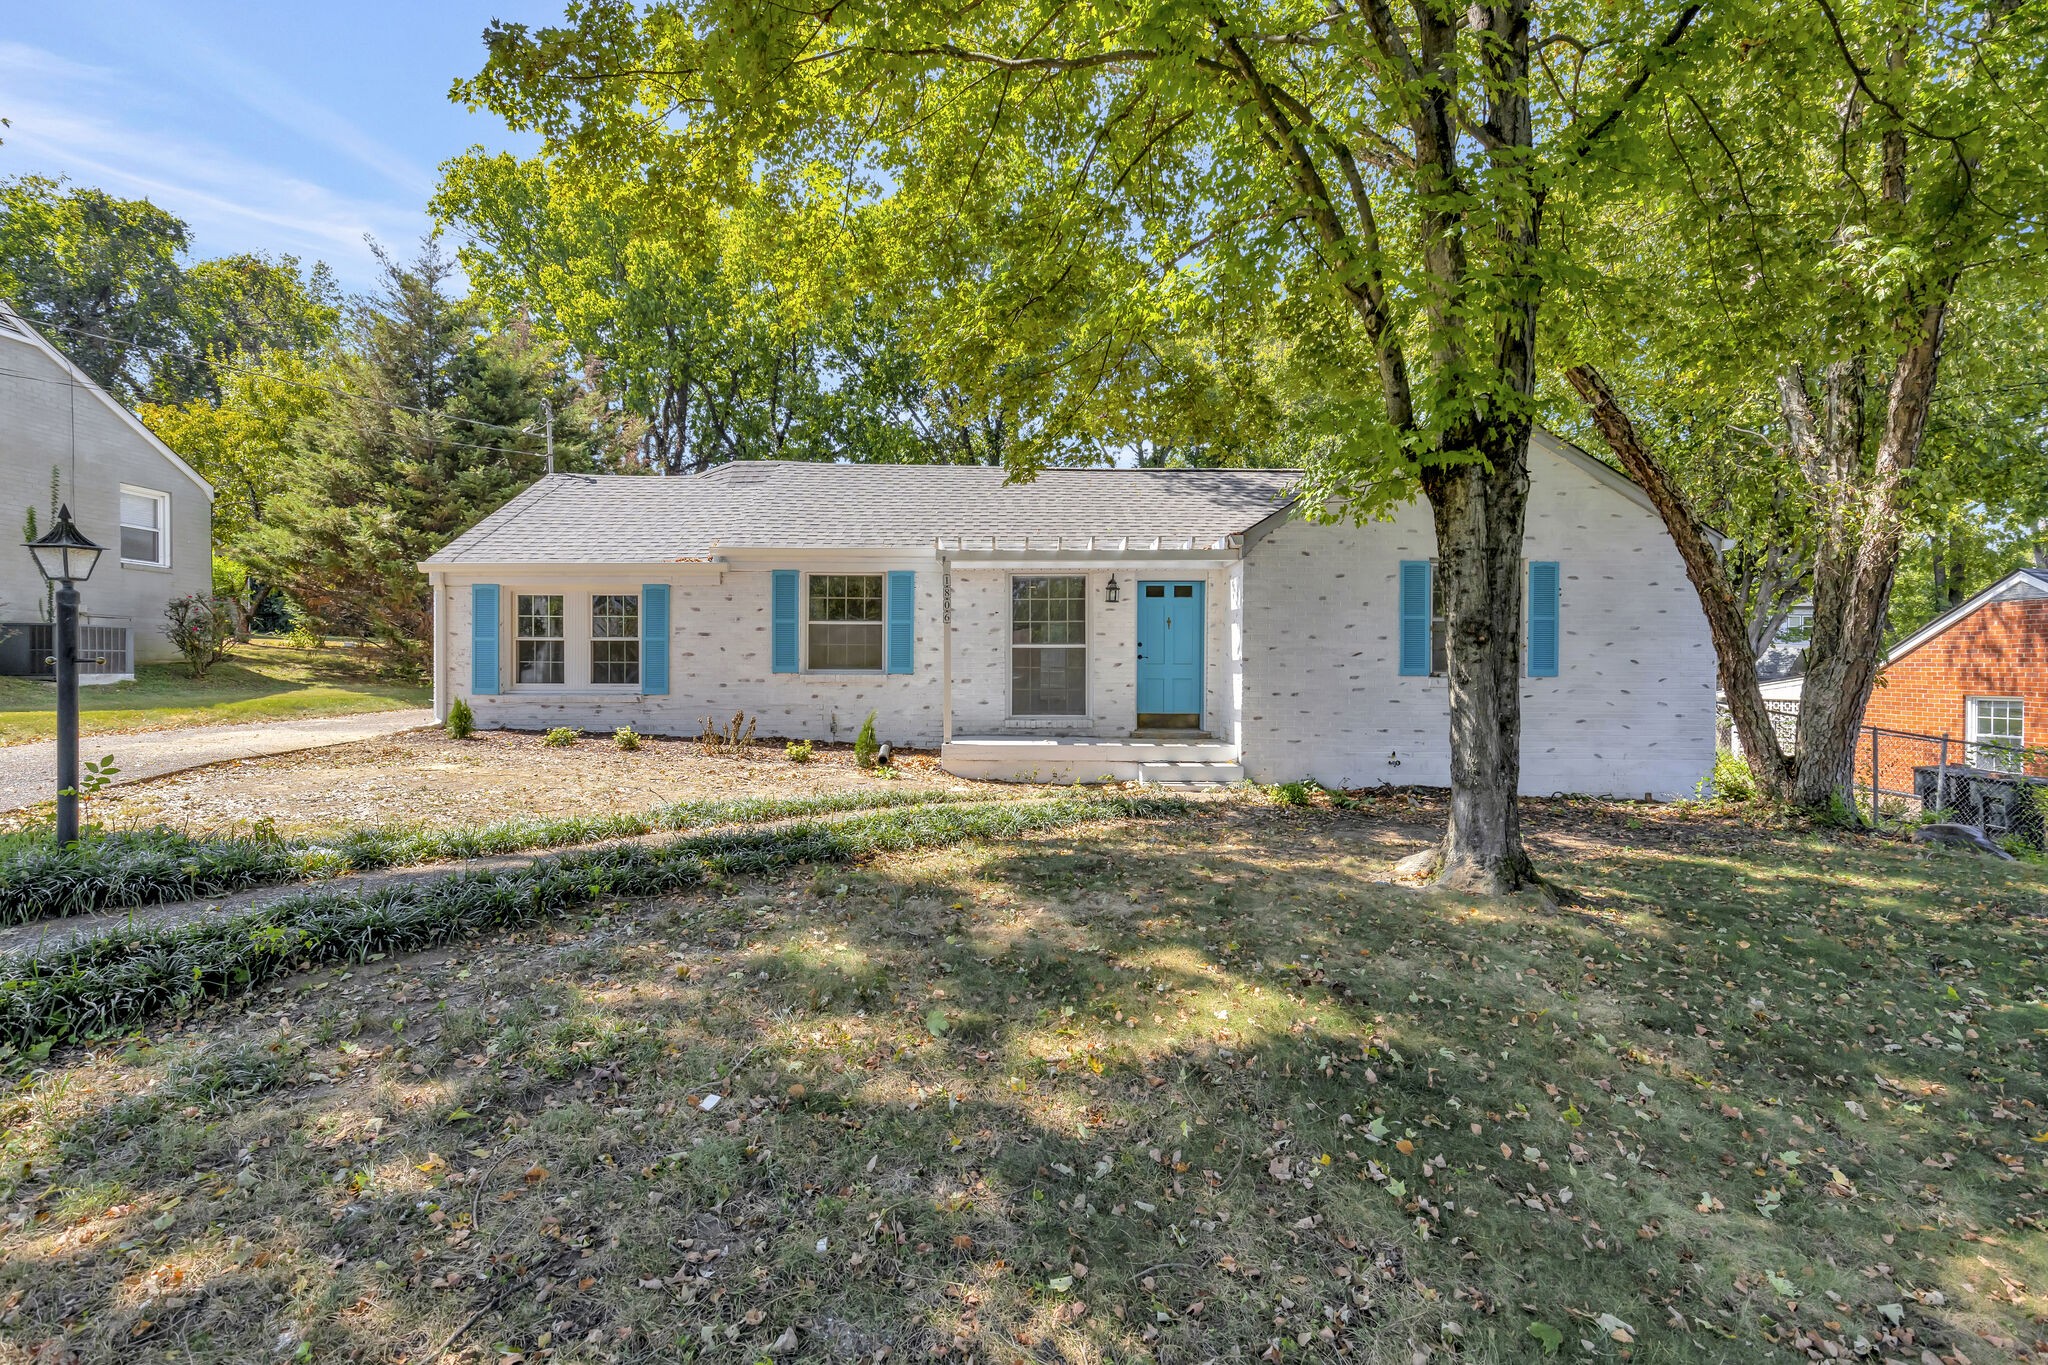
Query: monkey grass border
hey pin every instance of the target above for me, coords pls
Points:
(117, 980)
(125, 870)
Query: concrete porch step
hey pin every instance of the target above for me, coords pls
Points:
(1062, 758)
(1191, 774)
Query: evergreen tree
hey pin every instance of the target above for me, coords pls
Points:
(437, 424)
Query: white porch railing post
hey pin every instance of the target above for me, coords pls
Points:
(945, 650)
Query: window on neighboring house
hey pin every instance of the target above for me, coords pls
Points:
(1048, 653)
(1997, 730)
(540, 639)
(615, 639)
(1439, 631)
(145, 527)
(845, 622)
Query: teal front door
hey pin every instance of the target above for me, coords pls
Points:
(1170, 633)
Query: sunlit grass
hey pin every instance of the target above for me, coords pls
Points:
(1180, 1090)
(262, 680)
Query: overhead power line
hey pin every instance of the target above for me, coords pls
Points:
(438, 440)
(327, 389)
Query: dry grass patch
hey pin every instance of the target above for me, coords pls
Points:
(1177, 1091)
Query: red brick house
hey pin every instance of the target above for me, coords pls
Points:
(1978, 674)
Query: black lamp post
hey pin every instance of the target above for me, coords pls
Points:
(66, 559)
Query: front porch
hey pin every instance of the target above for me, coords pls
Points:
(1163, 761)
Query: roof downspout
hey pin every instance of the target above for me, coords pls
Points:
(440, 585)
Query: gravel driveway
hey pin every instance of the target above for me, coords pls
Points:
(28, 772)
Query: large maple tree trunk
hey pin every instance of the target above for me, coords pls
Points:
(1480, 510)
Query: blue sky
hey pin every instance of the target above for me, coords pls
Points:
(281, 127)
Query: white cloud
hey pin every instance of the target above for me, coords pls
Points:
(100, 127)
(268, 96)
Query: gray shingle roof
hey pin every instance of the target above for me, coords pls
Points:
(789, 504)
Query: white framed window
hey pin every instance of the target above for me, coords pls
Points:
(541, 647)
(1997, 728)
(1048, 645)
(843, 622)
(145, 527)
(615, 639)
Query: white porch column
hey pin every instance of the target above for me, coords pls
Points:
(945, 650)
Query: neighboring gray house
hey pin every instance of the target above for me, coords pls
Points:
(126, 489)
(1156, 624)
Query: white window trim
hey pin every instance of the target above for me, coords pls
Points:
(163, 529)
(1049, 718)
(804, 622)
(510, 627)
(579, 610)
(1973, 739)
(638, 638)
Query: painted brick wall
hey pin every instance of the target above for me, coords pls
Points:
(1302, 667)
(49, 424)
(720, 662)
(981, 653)
(1630, 712)
(720, 659)
(1999, 650)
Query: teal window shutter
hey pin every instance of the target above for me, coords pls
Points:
(901, 608)
(1543, 636)
(483, 639)
(1415, 618)
(784, 630)
(654, 639)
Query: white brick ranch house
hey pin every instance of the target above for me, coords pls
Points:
(1163, 624)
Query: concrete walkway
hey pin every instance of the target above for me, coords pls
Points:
(28, 772)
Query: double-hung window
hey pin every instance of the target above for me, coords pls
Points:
(1997, 728)
(145, 527)
(615, 639)
(844, 622)
(1048, 650)
(541, 642)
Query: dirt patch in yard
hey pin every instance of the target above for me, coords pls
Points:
(426, 779)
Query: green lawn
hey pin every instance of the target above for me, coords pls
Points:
(1179, 1090)
(262, 680)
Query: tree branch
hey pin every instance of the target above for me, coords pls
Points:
(1584, 142)
(1726, 619)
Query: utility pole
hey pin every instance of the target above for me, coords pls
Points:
(547, 411)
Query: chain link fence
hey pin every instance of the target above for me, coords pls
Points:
(1906, 778)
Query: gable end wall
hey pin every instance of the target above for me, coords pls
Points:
(1630, 713)
(1998, 650)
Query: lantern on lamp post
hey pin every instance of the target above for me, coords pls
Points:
(66, 559)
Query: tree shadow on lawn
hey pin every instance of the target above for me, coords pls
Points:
(1173, 1090)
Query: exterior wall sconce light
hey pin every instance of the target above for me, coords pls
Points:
(1111, 592)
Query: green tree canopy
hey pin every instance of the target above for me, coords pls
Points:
(104, 272)
(1068, 200)
(1849, 181)
(108, 279)
(433, 423)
